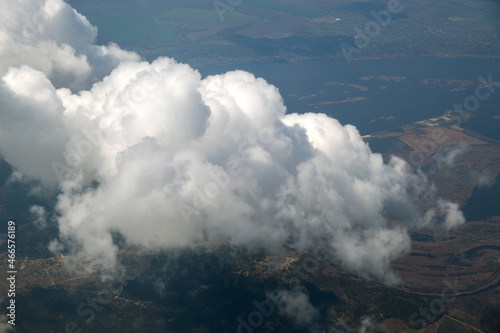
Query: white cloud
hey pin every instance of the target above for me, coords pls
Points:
(454, 216)
(39, 215)
(52, 37)
(483, 178)
(168, 159)
(448, 155)
(295, 305)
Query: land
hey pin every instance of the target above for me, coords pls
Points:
(374, 120)
(460, 84)
(383, 78)
(469, 255)
(209, 297)
(357, 86)
(424, 144)
(216, 33)
(347, 100)
(213, 287)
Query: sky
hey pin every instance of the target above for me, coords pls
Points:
(169, 159)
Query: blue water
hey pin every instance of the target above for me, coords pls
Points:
(407, 100)
(484, 203)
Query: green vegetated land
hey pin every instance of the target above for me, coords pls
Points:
(285, 8)
(131, 28)
(200, 34)
(205, 14)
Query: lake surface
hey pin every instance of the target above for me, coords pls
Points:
(321, 86)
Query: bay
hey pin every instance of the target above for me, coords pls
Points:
(395, 95)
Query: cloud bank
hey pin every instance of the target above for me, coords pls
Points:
(169, 159)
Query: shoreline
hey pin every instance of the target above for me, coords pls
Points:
(360, 59)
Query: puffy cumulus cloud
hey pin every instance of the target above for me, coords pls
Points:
(32, 122)
(52, 37)
(169, 159)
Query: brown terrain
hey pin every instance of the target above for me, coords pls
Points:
(347, 100)
(469, 256)
(374, 120)
(383, 78)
